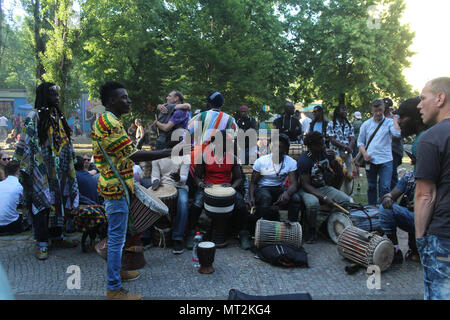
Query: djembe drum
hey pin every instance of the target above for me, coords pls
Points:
(219, 204)
(205, 252)
(295, 150)
(365, 248)
(269, 232)
(168, 195)
(145, 210)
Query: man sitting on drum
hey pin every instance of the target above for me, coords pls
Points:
(317, 168)
(267, 186)
(219, 167)
(174, 172)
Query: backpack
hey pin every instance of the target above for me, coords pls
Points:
(283, 255)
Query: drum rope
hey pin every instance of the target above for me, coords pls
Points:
(162, 237)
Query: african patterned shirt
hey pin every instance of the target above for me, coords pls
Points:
(342, 131)
(108, 130)
(47, 173)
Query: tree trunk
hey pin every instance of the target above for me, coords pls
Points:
(342, 99)
(40, 45)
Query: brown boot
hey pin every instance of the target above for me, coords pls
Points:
(121, 294)
(129, 275)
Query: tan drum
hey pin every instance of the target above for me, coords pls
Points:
(274, 232)
(295, 150)
(168, 194)
(365, 248)
(145, 209)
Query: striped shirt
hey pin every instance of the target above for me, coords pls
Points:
(208, 122)
(108, 130)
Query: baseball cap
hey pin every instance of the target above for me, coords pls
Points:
(357, 115)
(216, 99)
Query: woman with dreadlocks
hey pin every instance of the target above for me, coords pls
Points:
(47, 174)
(342, 138)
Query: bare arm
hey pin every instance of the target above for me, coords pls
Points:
(141, 156)
(237, 175)
(183, 106)
(253, 183)
(165, 126)
(424, 200)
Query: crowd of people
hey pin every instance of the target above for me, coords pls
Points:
(47, 179)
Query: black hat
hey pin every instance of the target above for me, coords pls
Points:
(216, 99)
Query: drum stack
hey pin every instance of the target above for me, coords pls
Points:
(219, 205)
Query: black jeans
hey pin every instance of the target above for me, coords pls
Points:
(13, 227)
(266, 196)
(41, 230)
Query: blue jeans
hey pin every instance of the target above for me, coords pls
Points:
(117, 211)
(435, 257)
(398, 216)
(181, 217)
(383, 173)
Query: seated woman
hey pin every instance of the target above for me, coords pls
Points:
(219, 168)
(267, 186)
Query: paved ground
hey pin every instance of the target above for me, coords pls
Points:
(168, 276)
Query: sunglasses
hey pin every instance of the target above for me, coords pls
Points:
(86, 159)
(6, 159)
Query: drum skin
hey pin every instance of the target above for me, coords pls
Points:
(168, 195)
(205, 252)
(337, 222)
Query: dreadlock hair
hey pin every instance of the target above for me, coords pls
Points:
(337, 109)
(313, 138)
(45, 110)
(107, 89)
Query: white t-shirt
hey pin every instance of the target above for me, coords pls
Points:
(269, 170)
(10, 192)
(3, 121)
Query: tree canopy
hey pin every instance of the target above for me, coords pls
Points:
(255, 52)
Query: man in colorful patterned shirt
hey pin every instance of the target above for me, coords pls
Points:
(109, 136)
